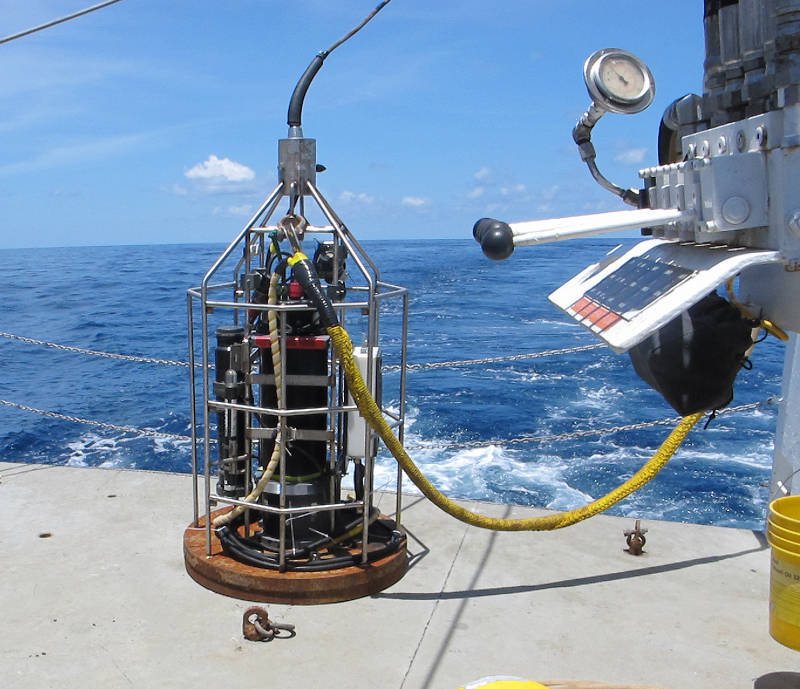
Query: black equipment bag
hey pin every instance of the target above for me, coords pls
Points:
(694, 359)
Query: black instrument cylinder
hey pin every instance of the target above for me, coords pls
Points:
(308, 476)
(229, 386)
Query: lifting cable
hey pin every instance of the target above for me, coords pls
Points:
(61, 20)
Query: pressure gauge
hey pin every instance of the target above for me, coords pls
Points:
(618, 81)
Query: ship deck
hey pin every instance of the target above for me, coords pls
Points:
(95, 594)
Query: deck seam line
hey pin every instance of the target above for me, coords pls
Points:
(433, 610)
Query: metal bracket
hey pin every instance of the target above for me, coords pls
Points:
(297, 164)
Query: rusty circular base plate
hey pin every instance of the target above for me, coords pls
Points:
(230, 577)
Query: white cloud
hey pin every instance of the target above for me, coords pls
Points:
(632, 156)
(176, 189)
(515, 189)
(415, 201)
(245, 209)
(348, 196)
(549, 193)
(483, 173)
(220, 168)
(476, 193)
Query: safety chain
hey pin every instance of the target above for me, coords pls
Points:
(409, 367)
(421, 446)
(495, 359)
(98, 424)
(583, 434)
(92, 352)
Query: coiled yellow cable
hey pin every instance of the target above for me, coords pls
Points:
(372, 413)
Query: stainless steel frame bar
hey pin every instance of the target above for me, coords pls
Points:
(193, 407)
(260, 507)
(368, 298)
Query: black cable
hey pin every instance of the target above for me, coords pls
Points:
(259, 559)
(295, 115)
(283, 256)
(303, 271)
(236, 546)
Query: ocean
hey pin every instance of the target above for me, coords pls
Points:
(132, 300)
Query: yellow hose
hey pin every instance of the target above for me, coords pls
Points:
(767, 325)
(372, 413)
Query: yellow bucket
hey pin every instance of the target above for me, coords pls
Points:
(791, 535)
(782, 543)
(503, 682)
(783, 534)
(785, 512)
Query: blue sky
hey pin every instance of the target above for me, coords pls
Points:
(155, 121)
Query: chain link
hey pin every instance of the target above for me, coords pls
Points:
(578, 434)
(410, 367)
(495, 359)
(92, 352)
(420, 446)
(98, 424)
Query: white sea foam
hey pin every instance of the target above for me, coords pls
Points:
(91, 444)
(161, 445)
(482, 473)
(459, 473)
(525, 376)
(757, 457)
(92, 449)
(554, 323)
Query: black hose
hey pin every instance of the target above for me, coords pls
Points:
(295, 117)
(303, 271)
(258, 559)
(240, 550)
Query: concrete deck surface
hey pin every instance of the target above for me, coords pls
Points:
(104, 601)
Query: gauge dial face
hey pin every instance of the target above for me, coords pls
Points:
(618, 81)
(621, 77)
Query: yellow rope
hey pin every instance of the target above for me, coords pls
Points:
(372, 413)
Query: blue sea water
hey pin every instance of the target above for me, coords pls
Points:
(132, 300)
